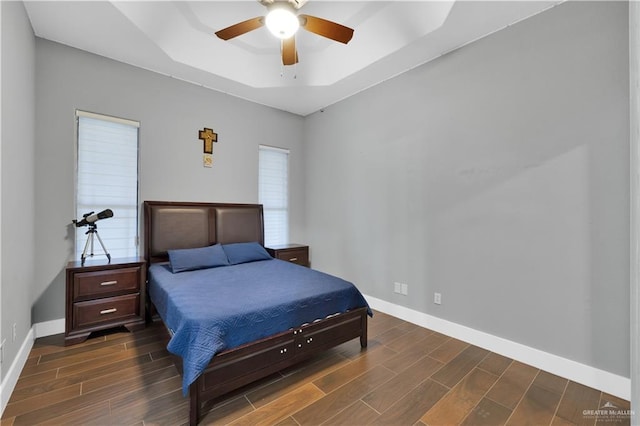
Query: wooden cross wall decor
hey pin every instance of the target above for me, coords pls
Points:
(208, 136)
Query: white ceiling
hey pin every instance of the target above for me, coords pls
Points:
(177, 38)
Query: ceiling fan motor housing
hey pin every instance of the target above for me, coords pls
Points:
(281, 20)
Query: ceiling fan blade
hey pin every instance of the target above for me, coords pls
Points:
(326, 28)
(240, 28)
(289, 52)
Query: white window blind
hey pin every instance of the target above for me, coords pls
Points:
(273, 177)
(107, 178)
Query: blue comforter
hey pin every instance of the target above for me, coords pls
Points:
(211, 310)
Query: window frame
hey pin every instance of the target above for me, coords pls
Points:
(266, 209)
(118, 120)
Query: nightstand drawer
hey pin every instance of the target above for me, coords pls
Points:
(89, 285)
(102, 294)
(299, 256)
(110, 309)
(294, 253)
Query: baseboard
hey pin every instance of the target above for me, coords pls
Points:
(49, 328)
(589, 376)
(42, 329)
(11, 378)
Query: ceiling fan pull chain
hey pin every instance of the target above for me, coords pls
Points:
(281, 63)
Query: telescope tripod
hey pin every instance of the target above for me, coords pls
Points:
(93, 231)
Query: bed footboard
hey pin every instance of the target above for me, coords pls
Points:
(235, 368)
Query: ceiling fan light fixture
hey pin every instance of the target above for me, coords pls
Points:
(282, 21)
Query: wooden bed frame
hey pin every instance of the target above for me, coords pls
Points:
(175, 225)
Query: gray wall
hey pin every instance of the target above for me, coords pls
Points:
(170, 112)
(17, 261)
(497, 175)
(634, 139)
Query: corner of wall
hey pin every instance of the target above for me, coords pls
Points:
(10, 379)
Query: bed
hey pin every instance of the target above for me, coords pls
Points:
(286, 313)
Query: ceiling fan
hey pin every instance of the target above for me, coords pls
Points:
(283, 22)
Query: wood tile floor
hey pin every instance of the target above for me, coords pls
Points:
(407, 376)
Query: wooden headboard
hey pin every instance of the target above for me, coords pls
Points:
(178, 225)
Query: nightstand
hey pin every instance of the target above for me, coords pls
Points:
(103, 295)
(295, 253)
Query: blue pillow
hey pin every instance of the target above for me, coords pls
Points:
(197, 258)
(245, 252)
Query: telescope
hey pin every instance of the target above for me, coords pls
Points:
(89, 218)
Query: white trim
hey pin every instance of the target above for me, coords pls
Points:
(274, 148)
(80, 113)
(48, 328)
(11, 378)
(41, 329)
(572, 370)
(589, 376)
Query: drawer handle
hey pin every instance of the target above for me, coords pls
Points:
(293, 259)
(109, 283)
(108, 311)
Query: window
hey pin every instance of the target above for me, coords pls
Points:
(273, 177)
(107, 178)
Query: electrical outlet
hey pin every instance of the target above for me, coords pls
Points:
(437, 298)
(400, 288)
(14, 333)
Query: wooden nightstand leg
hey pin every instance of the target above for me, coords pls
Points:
(135, 326)
(75, 339)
